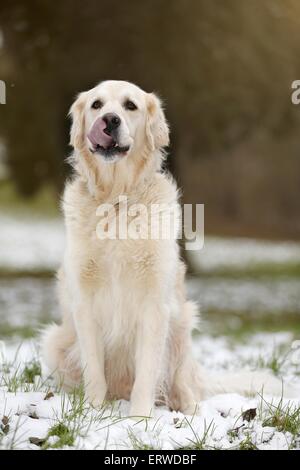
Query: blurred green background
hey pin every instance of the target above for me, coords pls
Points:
(224, 70)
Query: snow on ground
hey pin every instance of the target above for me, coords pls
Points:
(30, 244)
(240, 252)
(27, 301)
(28, 420)
(33, 417)
(38, 243)
(31, 301)
(237, 295)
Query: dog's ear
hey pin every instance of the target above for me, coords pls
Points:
(157, 129)
(77, 116)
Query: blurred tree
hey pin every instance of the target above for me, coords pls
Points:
(225, 71)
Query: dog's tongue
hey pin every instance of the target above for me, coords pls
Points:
(97, 136)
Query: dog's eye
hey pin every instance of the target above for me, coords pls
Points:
(97, 104)
(130, 105)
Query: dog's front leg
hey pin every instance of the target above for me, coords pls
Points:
(91, 351)
(150, 347)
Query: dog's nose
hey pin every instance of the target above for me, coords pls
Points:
(112, 121)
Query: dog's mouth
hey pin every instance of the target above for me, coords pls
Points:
(104, 137)
(112, 150)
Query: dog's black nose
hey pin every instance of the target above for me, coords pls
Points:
(112, 121)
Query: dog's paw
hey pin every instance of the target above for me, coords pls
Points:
(141, 411)
(95, 395)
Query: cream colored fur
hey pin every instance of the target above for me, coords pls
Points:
(126, 324)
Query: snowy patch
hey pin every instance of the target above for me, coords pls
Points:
(30, 244)
(35, 414)
(239, 253)
(38, 243)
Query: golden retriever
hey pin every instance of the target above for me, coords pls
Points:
(126, 324)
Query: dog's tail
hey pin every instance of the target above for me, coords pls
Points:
(249, 384)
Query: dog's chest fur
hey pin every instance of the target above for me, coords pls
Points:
(118, 273)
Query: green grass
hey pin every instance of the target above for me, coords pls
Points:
(30, 371)
(66, 436)
(199, 442)
(285, 418)
(7, 273)
(44, 203)
(74, 420)
(240, 324)
(23, 332)
(137, 443)
(257, 271)
(235, 325)
(280, 357)
(26, 378)
(247, 444)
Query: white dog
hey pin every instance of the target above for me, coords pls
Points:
(126, 326)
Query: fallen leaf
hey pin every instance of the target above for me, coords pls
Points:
(37, 441)
(5, 420)
(5, 429)
(49, 395)
(249, 415)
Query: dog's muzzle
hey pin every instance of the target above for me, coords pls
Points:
(104, 136)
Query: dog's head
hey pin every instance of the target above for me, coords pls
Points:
(117, 119)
